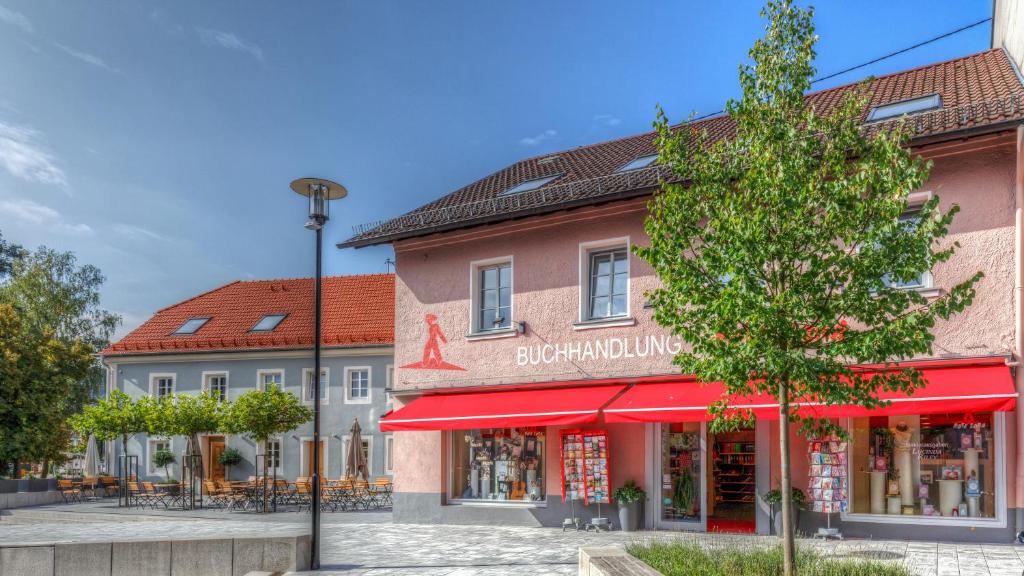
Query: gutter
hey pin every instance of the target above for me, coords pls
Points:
(1018, 324)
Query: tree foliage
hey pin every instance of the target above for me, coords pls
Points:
(780, 250)
(261, 414)
(115, 417)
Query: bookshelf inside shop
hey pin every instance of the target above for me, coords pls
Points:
(734, 482)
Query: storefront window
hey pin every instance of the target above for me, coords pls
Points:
(681, 459)
(498, 464)
(930, 465)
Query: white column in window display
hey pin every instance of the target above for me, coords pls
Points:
(903, 463)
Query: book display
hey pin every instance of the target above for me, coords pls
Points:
(734, 472)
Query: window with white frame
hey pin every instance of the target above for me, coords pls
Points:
(606, 284)
(156, 445)
(161, 385)
(389, 454)
(357, 385)
(367, 454)
(308, 387)
(274, 456)
(490, 283)
(910, 221)
(267, 378)
(216, 385)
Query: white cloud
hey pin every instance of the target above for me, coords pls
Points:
(138, 233)
(31, 213)
(16, 19)
(23, 156)
(86, 57)
(539, 138)
(607, 120)
(229, 40)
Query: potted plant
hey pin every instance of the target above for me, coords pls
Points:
(164, 459)
(629, 496)
(684, 494)
(773, 498)
(228, 458)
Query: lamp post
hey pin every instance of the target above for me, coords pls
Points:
(320, 192)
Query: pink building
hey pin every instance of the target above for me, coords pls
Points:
(530, 371)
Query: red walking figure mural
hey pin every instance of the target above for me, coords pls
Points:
(432, 359)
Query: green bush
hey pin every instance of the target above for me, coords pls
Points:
(163, 459)
(629, 493)
(691, 559)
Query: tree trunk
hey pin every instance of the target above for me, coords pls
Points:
(788, 544)
(46, 468)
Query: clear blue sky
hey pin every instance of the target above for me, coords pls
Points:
(157, 139)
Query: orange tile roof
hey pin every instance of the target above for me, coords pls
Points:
(357, 311)
(978, 91)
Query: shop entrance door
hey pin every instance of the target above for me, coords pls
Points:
(732, 485)
(680, 474)
(216, 469)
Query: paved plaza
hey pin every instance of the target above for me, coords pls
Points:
(369, 544)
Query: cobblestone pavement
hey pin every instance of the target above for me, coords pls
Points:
(368, 544)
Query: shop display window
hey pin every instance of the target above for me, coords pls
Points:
(681, 466)
(941, 465)
(498, 464)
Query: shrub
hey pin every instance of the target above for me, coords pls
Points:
(163, 459)
(692, 559)
(629, 493)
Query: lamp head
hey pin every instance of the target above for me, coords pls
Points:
(320, 192)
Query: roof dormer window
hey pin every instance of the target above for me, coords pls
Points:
(529, 185)
(903, 107)
(638, 163)
(268, 323)
(191, 326)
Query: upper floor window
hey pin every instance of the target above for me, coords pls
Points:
(307, 385)
(910, 106)
(638, 163)
(161, 385)
(191, 326)
(267, 378)
(910, 220)
(268, 323)
(216, 385)
(608, 289)
(357, 387)
(494, 301)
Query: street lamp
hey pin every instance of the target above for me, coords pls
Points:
(320, 192)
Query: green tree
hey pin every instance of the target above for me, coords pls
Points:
(780, 250)
(115, 417)
(164, 458)
(187, 415)
(38, 373)
(54, 298)
(260, 414)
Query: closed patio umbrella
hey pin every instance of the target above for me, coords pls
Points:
(91, 465)
(355, 460)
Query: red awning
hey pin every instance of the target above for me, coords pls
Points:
(569, 406)
(978, 387)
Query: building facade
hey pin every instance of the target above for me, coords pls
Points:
(249, 335)
(529, 368)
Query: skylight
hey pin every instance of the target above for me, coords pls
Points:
(191, 326)
(529, 185)
(268, 323)
(638, 163)
(905, 107)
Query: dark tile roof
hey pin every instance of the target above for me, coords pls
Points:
(977, 91)
(357, 311)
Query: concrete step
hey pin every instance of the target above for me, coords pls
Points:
(36, 516)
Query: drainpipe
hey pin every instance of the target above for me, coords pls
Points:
(1018, 325)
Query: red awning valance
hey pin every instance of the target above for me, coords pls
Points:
(978, 387)
(565, 406)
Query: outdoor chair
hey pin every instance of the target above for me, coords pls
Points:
(109, 485)
(381, 490)
(217, 496)
(92, 485)
(154, 496)
(68, 491)
(236, 495)
(304, 493)
(137, 494)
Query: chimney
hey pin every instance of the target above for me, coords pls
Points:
(1008, 30)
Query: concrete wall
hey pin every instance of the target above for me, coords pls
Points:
(337, 415)
(223, 557)
(1008, 29)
